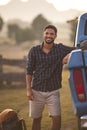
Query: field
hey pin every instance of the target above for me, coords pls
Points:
(16, 98)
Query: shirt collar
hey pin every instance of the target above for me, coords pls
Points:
(43, 44)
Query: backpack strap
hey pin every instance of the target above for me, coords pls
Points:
(23, 124)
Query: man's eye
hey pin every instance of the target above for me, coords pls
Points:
(46, 33)
(49, 33)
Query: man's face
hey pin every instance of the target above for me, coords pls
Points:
(49, 35)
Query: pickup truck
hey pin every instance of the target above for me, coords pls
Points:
(77, 65)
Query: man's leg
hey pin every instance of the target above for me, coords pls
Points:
(36, 125)
(36, 108)
(53, 104)
(56, 122)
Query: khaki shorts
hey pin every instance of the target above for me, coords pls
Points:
(50, 99)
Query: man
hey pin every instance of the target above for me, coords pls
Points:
(43, 78)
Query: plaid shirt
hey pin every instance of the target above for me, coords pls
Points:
(46, 69)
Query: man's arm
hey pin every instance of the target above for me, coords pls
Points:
(65, 59)
(29, 89)
(83, 46)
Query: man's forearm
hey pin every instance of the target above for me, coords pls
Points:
(28, 81)
(29, 89)
(65, 59)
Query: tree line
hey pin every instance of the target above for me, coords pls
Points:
(34, 32)
(31, 33)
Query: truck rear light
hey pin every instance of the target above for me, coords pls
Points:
(79, 85)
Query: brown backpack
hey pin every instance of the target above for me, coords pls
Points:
(9, 120)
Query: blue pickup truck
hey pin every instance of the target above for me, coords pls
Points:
(77, 65)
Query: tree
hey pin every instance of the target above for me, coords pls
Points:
(1, 23)
(38, 24)
(13, 30)
(20, 35)
(28, 34)
(25, 35)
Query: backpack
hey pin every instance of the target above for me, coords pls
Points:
(9, 120)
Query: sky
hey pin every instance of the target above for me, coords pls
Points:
(61, 5)
(4, 2)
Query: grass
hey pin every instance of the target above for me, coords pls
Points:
(16, 99)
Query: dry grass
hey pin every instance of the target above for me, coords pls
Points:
(68, 118)
(16, 99)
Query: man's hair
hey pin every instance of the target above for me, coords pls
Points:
(52, 27)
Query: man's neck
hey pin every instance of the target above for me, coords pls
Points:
(48, 46)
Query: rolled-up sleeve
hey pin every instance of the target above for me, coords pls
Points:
(30, 62)
(65, 50)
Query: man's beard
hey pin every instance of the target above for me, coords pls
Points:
(49, 42)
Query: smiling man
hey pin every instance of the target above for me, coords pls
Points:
(44, 76)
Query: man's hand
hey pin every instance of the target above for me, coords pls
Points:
(30, 94)
(65, 59)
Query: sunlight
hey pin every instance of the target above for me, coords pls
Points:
(4, 2)
(62, 5)
(24, 0)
